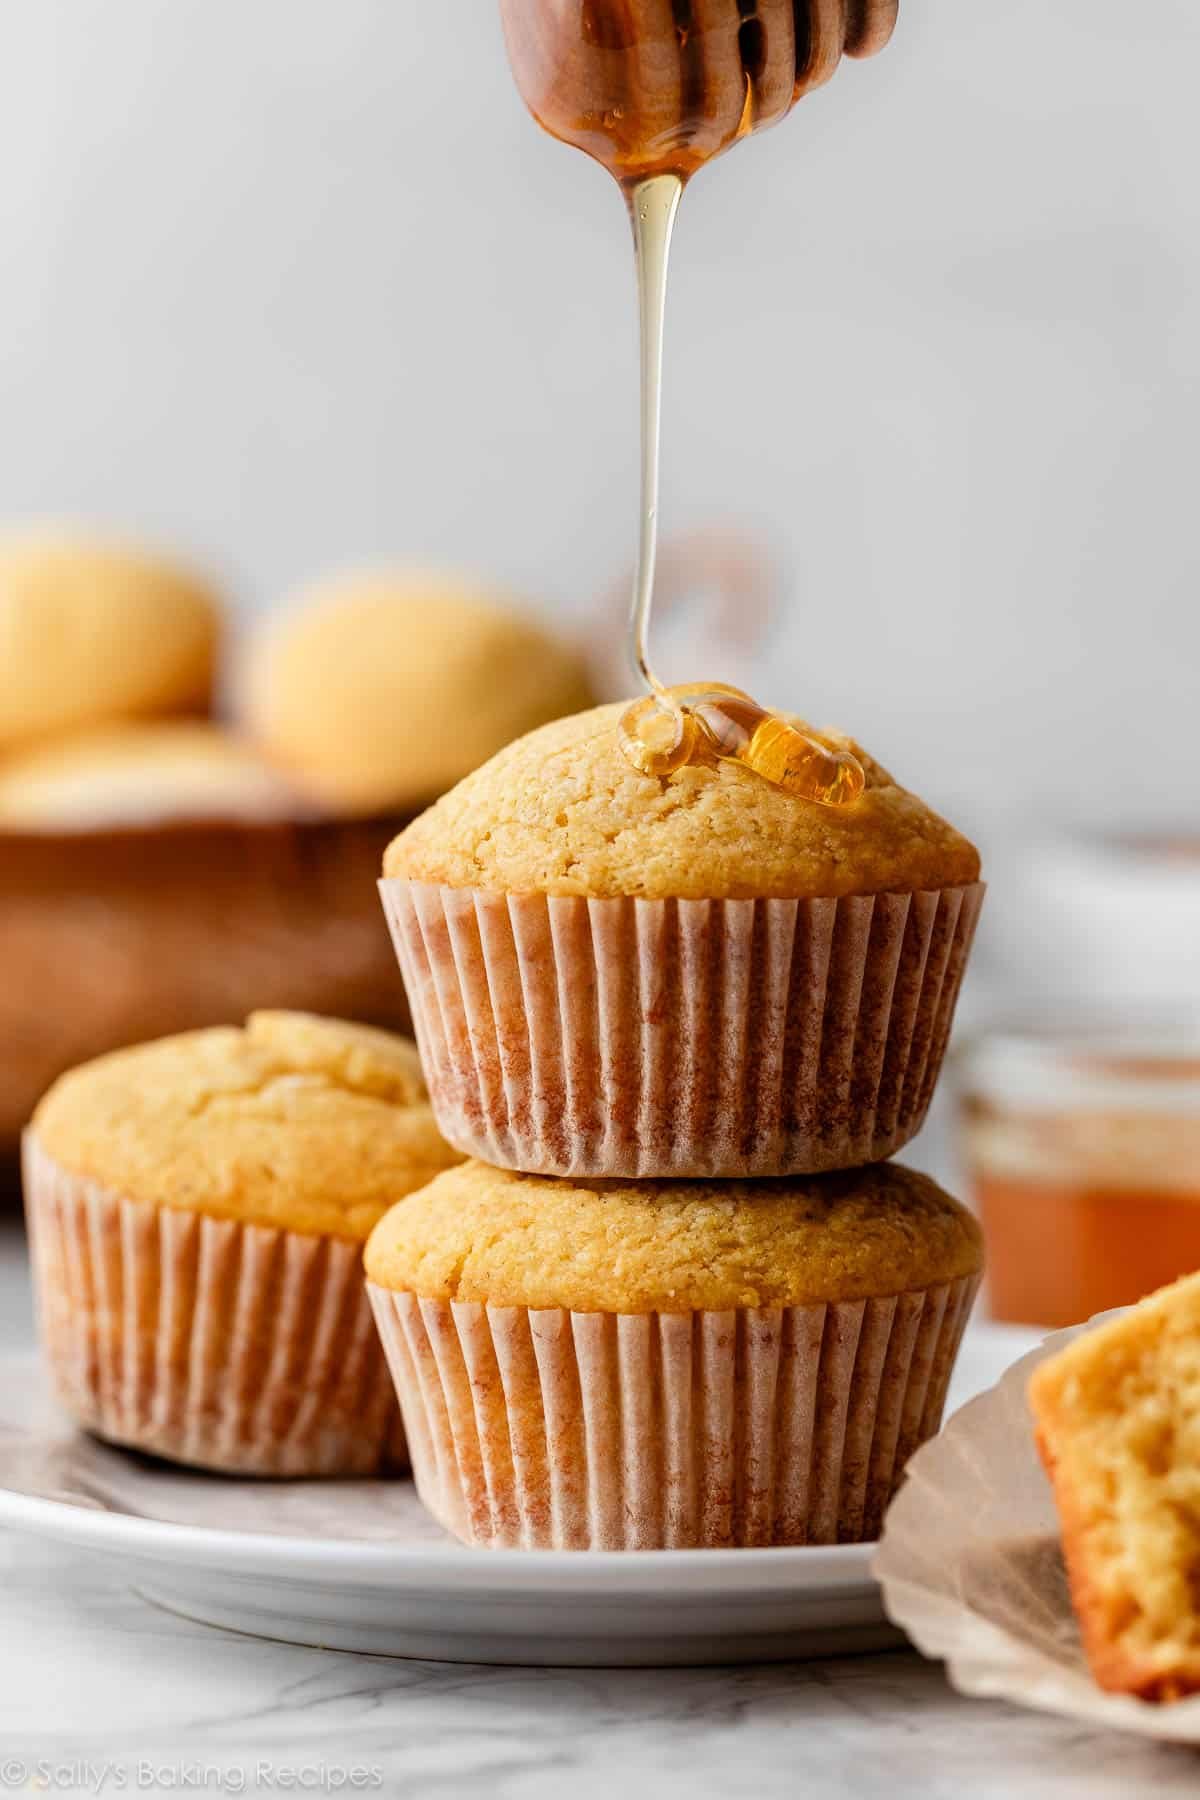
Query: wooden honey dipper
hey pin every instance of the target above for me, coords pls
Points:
(653, 90)
(653, 87)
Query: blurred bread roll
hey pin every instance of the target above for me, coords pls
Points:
(91, 632)
(381, 691)
(141, 774)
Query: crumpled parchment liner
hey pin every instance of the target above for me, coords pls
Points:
(971, 1568)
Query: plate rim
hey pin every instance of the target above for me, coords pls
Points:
(274, 1556)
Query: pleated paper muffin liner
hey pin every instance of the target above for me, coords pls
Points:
(226, 1346)
(561, 1430)
(568, 1036)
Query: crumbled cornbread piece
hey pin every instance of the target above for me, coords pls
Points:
(1118, 1426)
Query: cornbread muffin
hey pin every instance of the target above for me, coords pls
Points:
(141, 774)
(92, 632)
(380, 692)
(563, 811)
(698, 974)
(636, 1365)
(197, 1208)
(492, 1237)
(1117, 1414)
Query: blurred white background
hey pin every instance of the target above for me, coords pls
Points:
(291, 284)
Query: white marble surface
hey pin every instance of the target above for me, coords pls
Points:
(101, 1692)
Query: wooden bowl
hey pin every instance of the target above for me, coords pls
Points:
(113, 936)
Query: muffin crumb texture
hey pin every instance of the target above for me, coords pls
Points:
(562, 811)
(295, 1121)
(1118, 1426)
(486, 1235)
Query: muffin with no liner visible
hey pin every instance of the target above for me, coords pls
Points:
(1117, 1414)
(701, 974)
(197, 1209)
(93, 632)
(379, 691)
(131, 775)
(614, 1365)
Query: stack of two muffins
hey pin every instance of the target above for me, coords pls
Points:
(660, 1015)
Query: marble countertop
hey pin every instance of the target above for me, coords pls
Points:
(100, 1692)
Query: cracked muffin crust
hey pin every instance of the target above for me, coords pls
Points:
(292, 1120)
(197, 1208)
(483, 1234)
(562, 811)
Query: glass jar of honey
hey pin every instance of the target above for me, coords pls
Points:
(1083, 1154)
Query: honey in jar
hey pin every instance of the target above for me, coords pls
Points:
(1084, 1160)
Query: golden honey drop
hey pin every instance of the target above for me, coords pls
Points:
(656, 737)
(669, 729)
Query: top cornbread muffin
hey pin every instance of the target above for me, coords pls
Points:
(295, 1121)
(562, 811)
(381, 691)
(487, 1235)
(91, 632)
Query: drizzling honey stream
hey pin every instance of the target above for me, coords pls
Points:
(653, 90)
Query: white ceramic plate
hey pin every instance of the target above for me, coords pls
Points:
(358, 1565)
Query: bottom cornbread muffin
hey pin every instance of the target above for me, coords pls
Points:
(1117, 1417)
(197, 1209)
(609, 1365)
